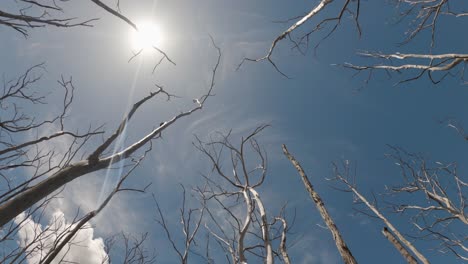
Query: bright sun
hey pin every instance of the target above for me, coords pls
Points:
(147, 36)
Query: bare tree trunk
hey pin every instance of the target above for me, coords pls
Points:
(385, 220)
(403, 251)
(245, 227)
(28, 198)
(340, 243)
(265, 231)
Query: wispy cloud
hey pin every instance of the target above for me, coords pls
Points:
(311, 248)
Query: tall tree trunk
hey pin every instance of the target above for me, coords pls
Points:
(340, 243)
(403, 251)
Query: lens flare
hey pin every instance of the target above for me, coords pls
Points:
(147, 36)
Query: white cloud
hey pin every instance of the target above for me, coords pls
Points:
(83, 248)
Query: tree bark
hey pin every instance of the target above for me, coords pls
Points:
(340, 243)
(29, 197)
(403, 251)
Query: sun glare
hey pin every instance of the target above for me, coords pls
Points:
(147, 36)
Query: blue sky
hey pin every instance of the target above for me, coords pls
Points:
(323, 113)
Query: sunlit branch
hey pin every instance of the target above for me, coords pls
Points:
(321, 5)
(94, 157)
(435, 63)
(300, 22)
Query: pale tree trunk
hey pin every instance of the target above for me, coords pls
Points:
(265, 230)
(340, 243)
(245, 227)
(385, 220)
(403, 251)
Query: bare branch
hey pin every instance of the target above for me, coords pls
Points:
(436, 63)
(29, 197)
(115, 13)
(305, 37)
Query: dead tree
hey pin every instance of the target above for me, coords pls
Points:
(53, 242)
(33, 175)
(339, 241)
(134, 247)
(343, 177)
(301, 42)
(17, 201)
(247, 230)
(424, 16)
(191, 221)
(441, 194)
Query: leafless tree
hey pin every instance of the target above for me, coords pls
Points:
(424, 15)
(434, 196)
(301, 42)
(442, 214)
(247, 231)
(343, 175)
(48, 244)
(134, 251)
(190, 219)
(339, 241)
(16, 201)
(235, 217)
(252, 232)
(33, 173)
(50, 172)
